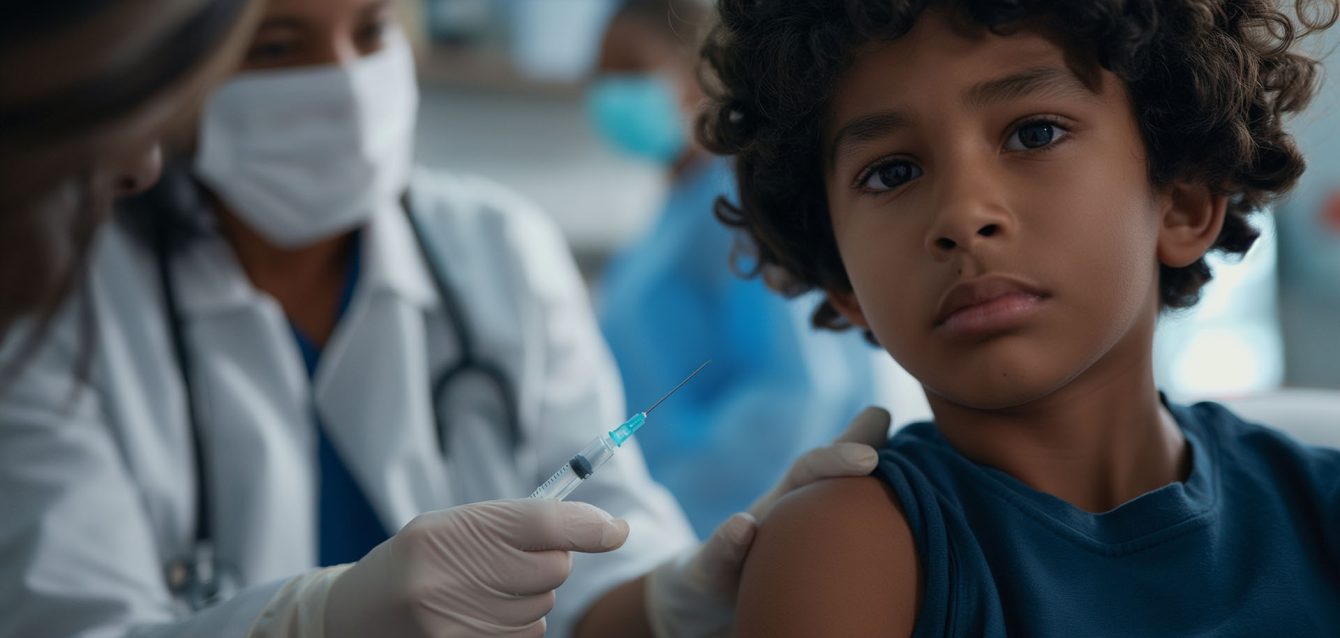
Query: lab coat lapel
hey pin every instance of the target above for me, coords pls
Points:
(372, 387)
(471, 243)
(252, 394)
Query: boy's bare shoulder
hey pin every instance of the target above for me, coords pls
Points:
(834, 558)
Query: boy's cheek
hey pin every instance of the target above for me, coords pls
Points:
(889, 307)
(887, 283)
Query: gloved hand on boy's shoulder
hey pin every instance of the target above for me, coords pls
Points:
(694, 594)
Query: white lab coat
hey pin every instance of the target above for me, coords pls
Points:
(96, 478)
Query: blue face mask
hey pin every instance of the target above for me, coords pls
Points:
(639, 115)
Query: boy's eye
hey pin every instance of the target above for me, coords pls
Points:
(889, 175)
(1035, 135)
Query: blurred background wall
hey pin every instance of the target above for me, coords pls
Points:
(504, 96)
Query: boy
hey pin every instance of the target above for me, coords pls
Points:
(1005, 195)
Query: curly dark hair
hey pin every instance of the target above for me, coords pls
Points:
(1210, 82)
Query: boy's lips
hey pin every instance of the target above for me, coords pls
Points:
(987, 303)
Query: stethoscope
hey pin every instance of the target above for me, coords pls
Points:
(198, 579)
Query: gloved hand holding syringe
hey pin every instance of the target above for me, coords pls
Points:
(599, 451)
(466, 564)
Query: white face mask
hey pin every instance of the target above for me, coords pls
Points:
(305, 154)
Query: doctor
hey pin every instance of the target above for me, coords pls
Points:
(302, 345)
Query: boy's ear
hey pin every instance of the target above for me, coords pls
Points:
(846, 304)
(1193, 215)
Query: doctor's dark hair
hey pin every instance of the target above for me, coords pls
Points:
(1210, 81)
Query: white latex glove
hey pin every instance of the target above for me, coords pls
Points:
(480, 569)
(694, 594)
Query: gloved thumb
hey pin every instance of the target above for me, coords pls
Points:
(575, 527)
(870, 427)
(852, 454)
(718, 565)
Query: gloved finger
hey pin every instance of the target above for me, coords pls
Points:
(520, 614)
(533, 630)
(499, 619)
(576, 527)
(534, 573)
(870, 427)
(836, 460)
(717, 565)
(851, 454)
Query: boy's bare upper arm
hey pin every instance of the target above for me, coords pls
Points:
(833, 559)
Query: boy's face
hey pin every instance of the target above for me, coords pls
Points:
(994, 213)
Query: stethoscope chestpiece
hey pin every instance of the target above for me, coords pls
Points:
(194, 580)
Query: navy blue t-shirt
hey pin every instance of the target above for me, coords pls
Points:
(1248, 545)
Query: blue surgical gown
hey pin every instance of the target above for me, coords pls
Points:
(776, 386)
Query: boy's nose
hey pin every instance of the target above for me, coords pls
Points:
(971, 206)
(969, 215)
(947, 243)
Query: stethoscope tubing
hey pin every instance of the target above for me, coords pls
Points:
(195, 577)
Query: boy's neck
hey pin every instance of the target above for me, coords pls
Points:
(1100, 441)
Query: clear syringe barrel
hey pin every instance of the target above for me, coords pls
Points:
(580, 467)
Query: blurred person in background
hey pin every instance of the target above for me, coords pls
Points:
(294, 346)
(671, 299)
(1309, 224)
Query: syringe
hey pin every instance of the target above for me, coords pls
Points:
(599, 451)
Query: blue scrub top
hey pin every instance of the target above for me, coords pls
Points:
(776, 387)
(347, 526)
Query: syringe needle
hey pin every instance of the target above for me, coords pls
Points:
(676, 388)
(597, 452)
